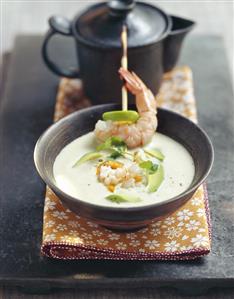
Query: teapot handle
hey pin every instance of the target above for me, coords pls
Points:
(58, 25)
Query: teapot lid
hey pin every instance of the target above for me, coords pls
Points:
(101, 24)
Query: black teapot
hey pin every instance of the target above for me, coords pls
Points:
(154, 43)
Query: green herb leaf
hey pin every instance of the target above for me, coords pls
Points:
(153, 169)
(118, 198)
(112, 143)
(117, 141)
(149, 166)
(115, 155)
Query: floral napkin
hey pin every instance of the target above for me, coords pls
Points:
(183, 235)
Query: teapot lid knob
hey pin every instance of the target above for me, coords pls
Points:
(120, 7)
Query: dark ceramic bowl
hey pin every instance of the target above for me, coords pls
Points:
(57, 136)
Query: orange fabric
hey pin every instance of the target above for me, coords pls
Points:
(183, 235)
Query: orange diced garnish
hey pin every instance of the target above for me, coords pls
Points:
(98, 170)
(111, 188)
(138, 178)
(114, 164)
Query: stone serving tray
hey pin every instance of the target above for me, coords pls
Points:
(26, 110)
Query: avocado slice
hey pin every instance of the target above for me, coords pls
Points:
(155, 179)
(87, 157)
(123, 198)
(155, 153)
(119, 115)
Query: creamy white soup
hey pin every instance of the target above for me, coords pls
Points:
(82, 182)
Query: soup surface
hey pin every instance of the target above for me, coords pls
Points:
(81, 182)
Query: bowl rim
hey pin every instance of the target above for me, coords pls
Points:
(57, 190)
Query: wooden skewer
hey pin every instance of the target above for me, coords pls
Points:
(124, 64)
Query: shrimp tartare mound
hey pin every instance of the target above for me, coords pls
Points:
(113, 173)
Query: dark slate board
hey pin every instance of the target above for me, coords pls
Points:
(26, 111)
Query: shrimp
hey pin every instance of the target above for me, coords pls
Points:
(135, 134)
